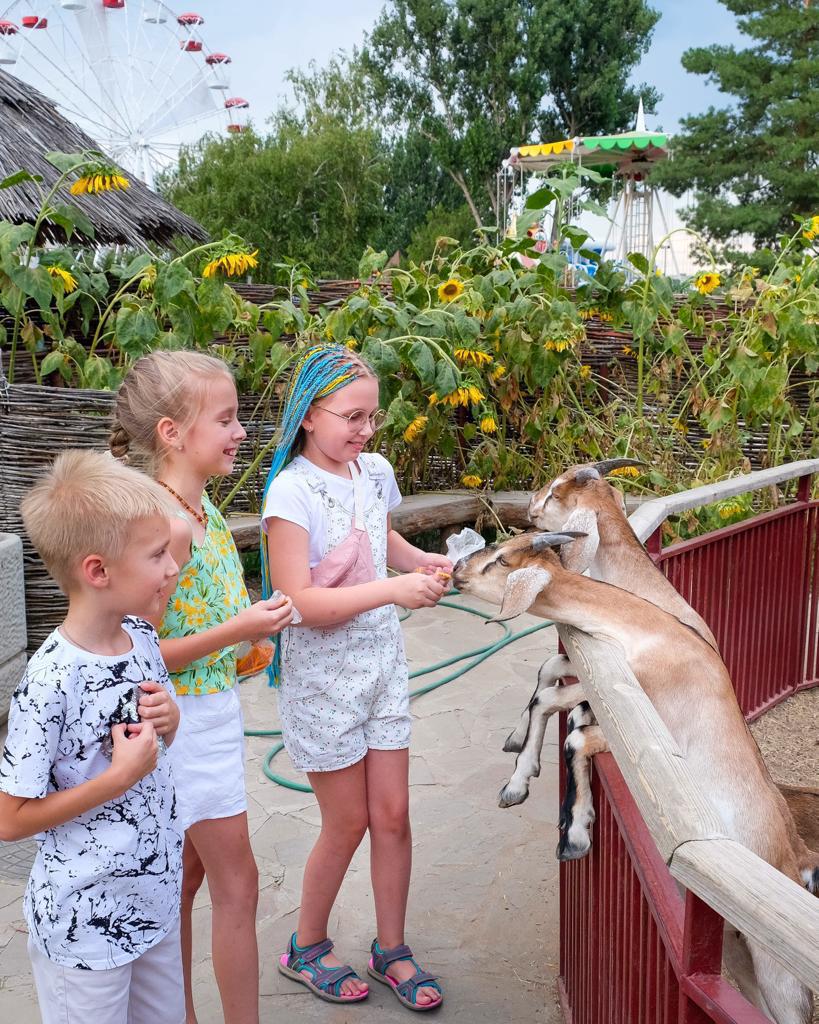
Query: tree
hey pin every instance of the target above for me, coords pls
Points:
(475, 77)
(753, 166)
(311, 189)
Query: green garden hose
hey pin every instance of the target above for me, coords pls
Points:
(477, 656)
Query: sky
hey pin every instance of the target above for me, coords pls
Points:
(265, 38)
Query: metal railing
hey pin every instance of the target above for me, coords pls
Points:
(633, 950)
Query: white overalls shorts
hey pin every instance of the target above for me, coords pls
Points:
(345, 688)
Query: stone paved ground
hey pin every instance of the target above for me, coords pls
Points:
(483, 906)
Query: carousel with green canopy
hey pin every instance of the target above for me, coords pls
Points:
(627, 157)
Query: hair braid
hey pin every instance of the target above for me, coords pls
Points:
(320, 371)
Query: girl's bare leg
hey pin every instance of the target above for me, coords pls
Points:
(223, 846)
(342, 799)
(192, 876)
(391, 853)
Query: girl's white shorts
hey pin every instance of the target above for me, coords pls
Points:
(344, 692)
(208, 757)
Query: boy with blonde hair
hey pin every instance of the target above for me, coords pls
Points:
(83, 767)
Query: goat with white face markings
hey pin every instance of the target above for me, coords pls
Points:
(671, 661)
(581, 499)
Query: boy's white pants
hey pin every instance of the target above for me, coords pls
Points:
(147, 990)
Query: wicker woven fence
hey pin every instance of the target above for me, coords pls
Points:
(36, 422)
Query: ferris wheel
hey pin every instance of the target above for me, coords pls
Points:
(137, 76)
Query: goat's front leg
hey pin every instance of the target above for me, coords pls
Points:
(577, 812)
(527, 764)
(548, 674)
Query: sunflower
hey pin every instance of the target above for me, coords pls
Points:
(460, 396)
(587, 314)
(232, 263)
(812, 231)
(728, 509)
(471, 480)
(472, 355)
(498, 370)
(585, 371)
(706, 283)
(415, 428)
(351, 343)
(67, 278)
(630, 471)
(488, 425)
(450, 290)
(558, 346)
(99, 178)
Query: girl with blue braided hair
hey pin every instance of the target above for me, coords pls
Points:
(344, 698)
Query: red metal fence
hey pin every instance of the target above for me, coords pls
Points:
(632, 949)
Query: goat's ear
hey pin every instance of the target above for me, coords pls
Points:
(522, 589)
(579, 554)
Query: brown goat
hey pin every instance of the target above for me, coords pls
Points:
(669, 660)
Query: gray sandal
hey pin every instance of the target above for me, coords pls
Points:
(324, 982)
(405, 991)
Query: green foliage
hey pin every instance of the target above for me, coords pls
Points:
(309, 191)
(480, 358)
(752, 165)
(476, 77)
(441, 227)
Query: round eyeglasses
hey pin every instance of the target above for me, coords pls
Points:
(356, 420)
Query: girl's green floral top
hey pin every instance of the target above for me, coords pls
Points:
(211, 589)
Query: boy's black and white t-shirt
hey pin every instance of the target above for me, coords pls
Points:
(105, 886)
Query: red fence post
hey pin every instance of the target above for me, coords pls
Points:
(654, 544)
(701, 954)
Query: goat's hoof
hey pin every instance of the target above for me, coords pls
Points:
(566, 850)
(512, 744)
(509, 796)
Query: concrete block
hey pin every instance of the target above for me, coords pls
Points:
(11, 672)
(12, 598)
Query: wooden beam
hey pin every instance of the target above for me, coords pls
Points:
(672, 804)
(652, 514)
(760, 901)
(417, 513)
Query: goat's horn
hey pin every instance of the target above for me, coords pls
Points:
(607, 465)
(554, 540)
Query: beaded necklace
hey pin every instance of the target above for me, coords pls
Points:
(200, 517)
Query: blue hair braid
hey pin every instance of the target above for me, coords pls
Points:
(320, 371)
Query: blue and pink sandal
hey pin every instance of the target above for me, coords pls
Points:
(405, 991)
(324, 982)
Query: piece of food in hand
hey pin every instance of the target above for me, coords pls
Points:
(436, 571)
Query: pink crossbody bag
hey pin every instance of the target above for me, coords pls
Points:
(351, 561)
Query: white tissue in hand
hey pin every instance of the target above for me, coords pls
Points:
(277, 595)
(461, 545)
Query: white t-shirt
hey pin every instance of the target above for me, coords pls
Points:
(291, 497)
(105, 886)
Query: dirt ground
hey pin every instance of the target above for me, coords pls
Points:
(788, 737)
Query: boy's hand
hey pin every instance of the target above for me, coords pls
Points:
(418, 590)
(135, 753)
(158, 707)
(265, 618)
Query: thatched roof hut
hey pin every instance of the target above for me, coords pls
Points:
(30, 127)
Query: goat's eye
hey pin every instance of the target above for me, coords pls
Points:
(502, 561)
